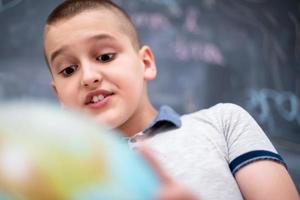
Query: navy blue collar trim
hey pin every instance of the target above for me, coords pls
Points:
(165, 115)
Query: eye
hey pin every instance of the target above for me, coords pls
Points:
(68, 71)
(106, 57)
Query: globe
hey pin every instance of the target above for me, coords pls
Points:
(48, 153)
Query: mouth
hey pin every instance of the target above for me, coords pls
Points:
(97, 96)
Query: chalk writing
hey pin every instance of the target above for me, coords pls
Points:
(193, 50)
(285, 102)
(191, 21)
(184, 49)
(158, 21)
(153, 21)
(4, 5)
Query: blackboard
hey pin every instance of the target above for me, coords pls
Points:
(207, 51)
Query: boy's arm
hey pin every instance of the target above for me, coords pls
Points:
(259, 170)
(265, 179)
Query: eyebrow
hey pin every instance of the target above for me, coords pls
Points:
(95, 37)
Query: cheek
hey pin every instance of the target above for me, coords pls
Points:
(67, 94)
(132, 82)
(134, 91)
(128, 76)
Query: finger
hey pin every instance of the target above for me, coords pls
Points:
(176, 195)
(154, 164)
(170, 189)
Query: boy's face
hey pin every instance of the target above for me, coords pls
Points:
(96, 68)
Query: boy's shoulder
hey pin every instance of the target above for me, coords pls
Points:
(219, 110)
(220, 117)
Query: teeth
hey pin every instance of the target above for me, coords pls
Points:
(95, 99)
(98, 98)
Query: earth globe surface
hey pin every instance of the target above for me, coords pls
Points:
(47, 153)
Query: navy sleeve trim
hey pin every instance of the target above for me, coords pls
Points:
(252, 156)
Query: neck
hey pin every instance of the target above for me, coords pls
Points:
(139, 121)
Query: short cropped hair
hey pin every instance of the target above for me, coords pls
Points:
(71, 8)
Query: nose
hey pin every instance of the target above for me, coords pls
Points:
(91, 78)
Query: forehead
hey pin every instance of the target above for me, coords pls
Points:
(83, 26)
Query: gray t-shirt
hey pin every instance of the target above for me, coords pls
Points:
(203, 150)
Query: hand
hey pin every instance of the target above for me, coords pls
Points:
(170, 189)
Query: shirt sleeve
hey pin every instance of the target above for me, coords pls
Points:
(246, 141)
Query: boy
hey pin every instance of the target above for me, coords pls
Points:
(98, 66)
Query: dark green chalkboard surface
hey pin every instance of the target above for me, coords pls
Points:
(207, 51)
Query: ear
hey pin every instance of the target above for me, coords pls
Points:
(148, 60)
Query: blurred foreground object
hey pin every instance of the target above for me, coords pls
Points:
(50, 154)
